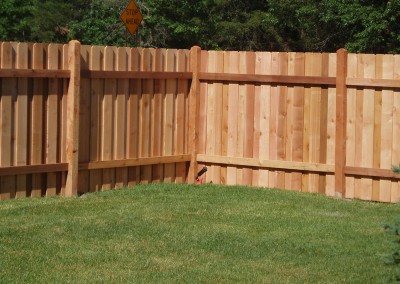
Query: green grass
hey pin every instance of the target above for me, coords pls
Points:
(186, 233)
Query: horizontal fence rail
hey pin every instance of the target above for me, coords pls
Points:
(76, 118)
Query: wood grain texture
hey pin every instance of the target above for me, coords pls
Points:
(351, 124)
(135, 89)
(169, 111)
(22, 121)
(262, 114)
(180, 116)
(96, 96)
(107, 133)
(395, 189)
(37, 114)
(8, 96)
(52, 116)
(72, 137)
(233, 106)
(120, 118)
(84, 119)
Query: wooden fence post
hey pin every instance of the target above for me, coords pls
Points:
(194, 101)
(71, 187)
(341, 120)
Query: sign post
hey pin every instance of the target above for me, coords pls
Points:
(131, 17)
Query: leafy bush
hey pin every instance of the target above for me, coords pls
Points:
(394, 258)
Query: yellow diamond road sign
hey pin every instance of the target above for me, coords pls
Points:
(132, 17)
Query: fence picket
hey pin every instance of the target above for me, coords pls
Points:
(298, 118)
(263, 104)
(169, 111)
(52, 119)
(180, 124)
(110, 89)
(249, 90)
(135, 89)
(21, 117)
(233, 104)
(395, 189)
(36, 149)
(368, 126)
(352, 123)
(121, 174)
(386, 127)
(7, 183)
(331, 126)
(96, 92)
(157, 115)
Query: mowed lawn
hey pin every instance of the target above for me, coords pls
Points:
(194, 234)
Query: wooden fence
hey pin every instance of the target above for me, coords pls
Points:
(84, 118)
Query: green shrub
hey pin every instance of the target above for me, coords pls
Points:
(394, 230)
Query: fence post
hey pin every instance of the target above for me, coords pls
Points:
(341, 120)
(194, 101)
(71, 187)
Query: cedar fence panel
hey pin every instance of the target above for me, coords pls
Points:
(76, 119)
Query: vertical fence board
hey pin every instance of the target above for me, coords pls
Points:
(21, 117)
(169, 110)
(225, 110)
(341, 122)
(52, 119)
(274, 120)
(331, 126)
(323, 139)
(233, 97)
(202, 117)
(72, 139)
(157, 115)
(315, 118)
(249, 118)
(121, 174)
(241, 118)
(145, 114)
(262, 113)
(376, 159)
(351, 124)
(110, 89)
(63, 118)
(368, 126)
(395, 189)
(358, 187)
(298, 118)
(135, 89)
(386, 122)
(84, 120)
(289, 120)
(37, 120)
(211, 110)
(96, 92)
(193, 109)
(282, 110)
(307, 122)
(8, 88)
(180, 124)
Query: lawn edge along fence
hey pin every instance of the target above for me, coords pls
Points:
(76, 118)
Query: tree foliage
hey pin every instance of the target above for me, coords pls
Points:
(368, 26)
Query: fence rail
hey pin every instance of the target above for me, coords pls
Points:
(84, 118)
